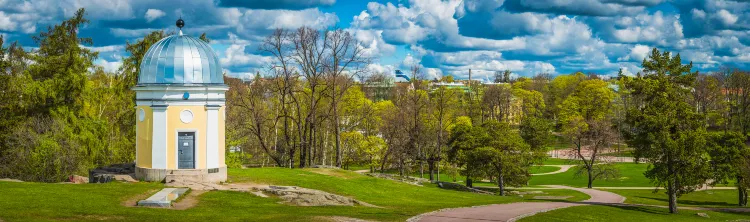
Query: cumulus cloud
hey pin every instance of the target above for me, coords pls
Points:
(655, 28)
(262, 21)
(108, 66)
(576, 7)
(153, 14)
(276, 4)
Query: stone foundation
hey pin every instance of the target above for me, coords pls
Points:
(216, 175)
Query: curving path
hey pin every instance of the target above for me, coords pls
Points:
(514, 211)
(563, 169)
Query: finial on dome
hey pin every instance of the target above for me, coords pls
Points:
(180, 23)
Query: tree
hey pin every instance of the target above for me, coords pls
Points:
(498, 101)
(509, 156)
(728, 155)
(465, 138)
(443, 102)
(585, 118)
(536, 131)
(343, 61)
(665, 129)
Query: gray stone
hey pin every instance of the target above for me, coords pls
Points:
(703, 215)
(163, 198)
(101, 178)
(308, 197)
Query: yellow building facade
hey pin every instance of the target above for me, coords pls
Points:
(180, 111)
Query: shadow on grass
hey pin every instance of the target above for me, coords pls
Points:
(664, 210)
(692, 202)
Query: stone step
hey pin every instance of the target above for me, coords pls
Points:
(185, 178)
(163, 198)
(185, 172)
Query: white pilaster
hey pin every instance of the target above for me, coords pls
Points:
(212, 137)
(159, 139)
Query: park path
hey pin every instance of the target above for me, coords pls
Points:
(567, 155)
(514, 211)
(563, 169)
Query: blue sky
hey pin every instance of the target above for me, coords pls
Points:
(444, 37)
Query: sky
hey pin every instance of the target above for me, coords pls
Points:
(446, 37)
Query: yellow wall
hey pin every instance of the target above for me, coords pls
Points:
(198, 125)
(144, 132)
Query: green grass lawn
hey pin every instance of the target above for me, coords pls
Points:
(625, 153)
(543, 169)
(554, 161)
(629, 213)
(706, 198)
(399, 201)
(631, 175)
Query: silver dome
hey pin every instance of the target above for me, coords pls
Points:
(180, 59)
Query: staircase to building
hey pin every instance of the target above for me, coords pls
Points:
(186, 175)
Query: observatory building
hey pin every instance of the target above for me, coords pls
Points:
(180, 111)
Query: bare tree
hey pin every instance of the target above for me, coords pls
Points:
(344, 60)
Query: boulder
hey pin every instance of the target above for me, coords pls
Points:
(78, 179)
(308, 197)
(101, 178)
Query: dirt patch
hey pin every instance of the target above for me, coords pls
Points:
(10, 180)
(188, 201)
(331, 172)
(133, 201)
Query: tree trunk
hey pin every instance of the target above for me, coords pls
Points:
(421, 169)
(591, 176)
(501, 184)
(338, 134)
(672, 192)
(431, 168)
(468, 182)
(741, 192)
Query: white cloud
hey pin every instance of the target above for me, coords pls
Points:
(235, 56)
(153, 14)
(726, 17)
(6, 23)
(286, 19)
(637, 54)
(108, 66)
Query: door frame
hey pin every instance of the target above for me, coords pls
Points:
(177, 147)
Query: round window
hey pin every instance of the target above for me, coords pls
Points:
(186, 116)
(141, 115)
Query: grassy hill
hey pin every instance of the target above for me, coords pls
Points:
(92, 202)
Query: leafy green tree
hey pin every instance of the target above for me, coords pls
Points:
(585, 118)
(728, 154)
(465, 138)
(510, 158)
(536, 131)
(666, 129)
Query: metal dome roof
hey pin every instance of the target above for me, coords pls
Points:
(180, 59)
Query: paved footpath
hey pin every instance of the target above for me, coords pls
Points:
(563, 169)
(514, 211)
